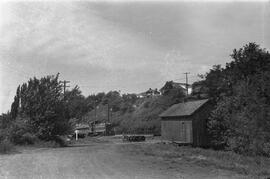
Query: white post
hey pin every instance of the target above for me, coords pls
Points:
(76, 132)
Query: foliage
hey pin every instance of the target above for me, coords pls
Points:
(5, 146)
(61, 141)
(215, 82)
(75, 104)
(20, 132)
(128, 101)
(15, 104)
(40, 105)
(218, 123)
(241, 120)
(113, 99)
(5, 120)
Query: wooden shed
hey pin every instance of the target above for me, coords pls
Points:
(186, 123)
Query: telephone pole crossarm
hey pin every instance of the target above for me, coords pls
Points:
(65, 82)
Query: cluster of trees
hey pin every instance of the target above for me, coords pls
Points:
(241, 91)
(38, 111)
(42, 111)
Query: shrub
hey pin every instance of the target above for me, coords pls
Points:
(61, 141)
(5, 146)
(23, 139)
(146, 104)
(20, 133)
(29, 138)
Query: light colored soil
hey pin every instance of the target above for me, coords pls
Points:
(101, 159)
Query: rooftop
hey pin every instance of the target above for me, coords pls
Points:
(183, 109)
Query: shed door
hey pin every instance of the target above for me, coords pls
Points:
(186, 131)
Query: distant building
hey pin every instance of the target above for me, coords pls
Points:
(169, 85)
(149, 93)
(186, 122)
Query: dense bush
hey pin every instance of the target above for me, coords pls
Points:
(241, 119)
(5, 146)
(61, 141)
(20, 134)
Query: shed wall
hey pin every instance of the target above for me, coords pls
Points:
(199, 118)
(177, 130)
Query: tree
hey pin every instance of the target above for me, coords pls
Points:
(113, 99)
(5, 120)
(15, 104)
(42, 106)
(241, 120)
(76, 104)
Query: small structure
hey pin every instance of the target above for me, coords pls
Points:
(185, 123)
(82, 130)
(101, 128)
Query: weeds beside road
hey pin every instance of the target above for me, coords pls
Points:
(104, 158)
(254, 167)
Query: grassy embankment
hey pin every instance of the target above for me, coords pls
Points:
(143, 116)
(254, 167)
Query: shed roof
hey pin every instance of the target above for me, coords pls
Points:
(183, 109)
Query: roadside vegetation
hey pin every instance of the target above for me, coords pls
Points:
(241, 90)
(252, 167)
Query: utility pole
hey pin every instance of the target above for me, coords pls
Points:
(187, 81)
(95, 110)
(65, 86)
(108, 112)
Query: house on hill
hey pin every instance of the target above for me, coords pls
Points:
(186, 123)
(149, 93)
(169, 85)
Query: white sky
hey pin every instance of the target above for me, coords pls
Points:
(127, 46)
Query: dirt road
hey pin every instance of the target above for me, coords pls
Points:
(100, 159)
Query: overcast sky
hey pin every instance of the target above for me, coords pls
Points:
(127, 46)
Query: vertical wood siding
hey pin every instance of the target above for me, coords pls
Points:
(177, 130)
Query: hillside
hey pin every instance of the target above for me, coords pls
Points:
(140, 115)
